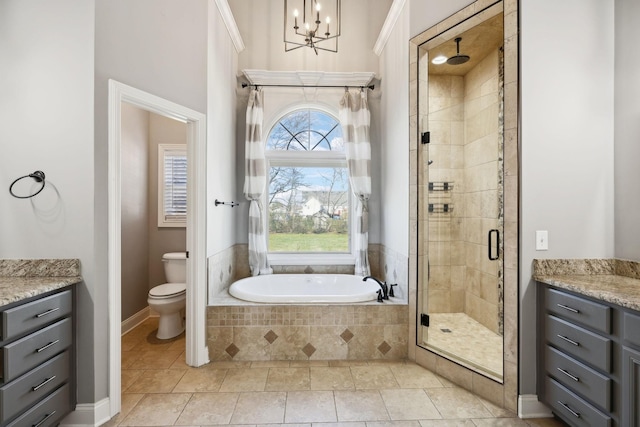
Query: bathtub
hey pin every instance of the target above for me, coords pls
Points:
(305, 288)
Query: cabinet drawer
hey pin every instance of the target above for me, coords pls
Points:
(33, 386)
(575, 308)
(48, 412)
(631, 328)
(30, 351)
(574, 340)
(579, 377)
(33, 315)
(572, 408)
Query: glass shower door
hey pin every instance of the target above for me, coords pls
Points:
(460, 209)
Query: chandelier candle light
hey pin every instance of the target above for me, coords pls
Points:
(309, 33)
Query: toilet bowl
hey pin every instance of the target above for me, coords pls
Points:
(169, 299)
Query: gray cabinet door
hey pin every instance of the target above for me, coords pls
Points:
(630, 387)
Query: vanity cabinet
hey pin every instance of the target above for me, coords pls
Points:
(37, 377)
(588, 359)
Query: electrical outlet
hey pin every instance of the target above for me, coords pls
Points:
(542, 240)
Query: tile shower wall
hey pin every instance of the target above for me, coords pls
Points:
(483, 189)
(464, 149)
(303, 332)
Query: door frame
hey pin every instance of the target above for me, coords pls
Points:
(196, 349)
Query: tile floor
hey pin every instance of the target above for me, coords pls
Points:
(459, 336)
(159, 389)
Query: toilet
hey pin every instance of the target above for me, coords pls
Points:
(169, 299)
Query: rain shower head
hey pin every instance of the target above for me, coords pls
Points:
(458, 59)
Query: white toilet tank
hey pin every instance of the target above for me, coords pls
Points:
(175, 267)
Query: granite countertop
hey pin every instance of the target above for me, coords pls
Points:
(21, 279)
(613, 281)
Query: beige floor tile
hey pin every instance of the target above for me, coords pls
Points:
(373, 377)
(409, 404)
(339, 424)
(457, 403)
(127, 403)
(157, 410)
(201, 380)
(270, 364)
(360, 405)
(253, 379)
(260, 407)
(156, 381)
(348, 363)
(286, 379)
(230, 364)
(180, 363)
(310, 406)
(497, 411)
(447, 423)
(308, 363)
(326, 378)
(128, 358)
(208, 408)
(155, 359)
(394, 424)
(411, 375)
(128, 377)
(500, 422)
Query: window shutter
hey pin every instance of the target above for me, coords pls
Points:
(174, 185)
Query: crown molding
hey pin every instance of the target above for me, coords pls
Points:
(230, 23)
(308, 78)
(387, 27)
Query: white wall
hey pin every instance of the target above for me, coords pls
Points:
(221, 136)
(427, 13)
(567, 57)
(46, 123)
(394, 151)
(261, 24)
(160, 47)
(627, 130)
(134, 212)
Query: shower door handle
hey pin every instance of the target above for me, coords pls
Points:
(490, 252)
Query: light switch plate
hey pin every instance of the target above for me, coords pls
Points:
(542, 240)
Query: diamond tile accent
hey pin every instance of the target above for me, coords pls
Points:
(346, 335)
(232, 350)
(308, 270)
(271, 336)
(308, 349)
(384, 347)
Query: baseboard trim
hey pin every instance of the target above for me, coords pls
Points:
(530, 407)
(135, 320)
(88, 415)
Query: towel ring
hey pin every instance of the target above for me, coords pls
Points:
(38, 176)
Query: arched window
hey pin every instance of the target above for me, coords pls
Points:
(309, 197)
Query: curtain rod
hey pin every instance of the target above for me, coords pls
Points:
(311, 86)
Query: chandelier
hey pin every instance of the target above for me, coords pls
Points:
(311, 23)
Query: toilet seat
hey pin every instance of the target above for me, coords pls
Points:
(168, 290)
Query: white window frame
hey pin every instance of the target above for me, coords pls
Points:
(163, 219)
(295, 158)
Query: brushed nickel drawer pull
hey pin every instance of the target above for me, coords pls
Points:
(47, 312)
(573, 377)
(46, 417)
(43, 383)
(566, 307)
(570, 341)
(565, 406)
(41, 349)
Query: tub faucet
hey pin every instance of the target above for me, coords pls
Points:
(383, 285)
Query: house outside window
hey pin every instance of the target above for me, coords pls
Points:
(172, 185)
(309, 199)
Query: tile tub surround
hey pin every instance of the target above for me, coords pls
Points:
(608, 280)
(25, 278)
(307, 332)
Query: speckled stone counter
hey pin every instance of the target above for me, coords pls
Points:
(610, 280)
(26, 278)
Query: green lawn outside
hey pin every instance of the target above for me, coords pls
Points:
(323, 242)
